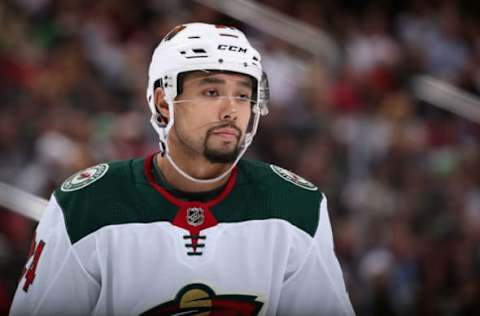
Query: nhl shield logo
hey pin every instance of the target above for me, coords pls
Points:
(195, 216)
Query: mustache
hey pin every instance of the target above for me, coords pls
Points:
(226, 125)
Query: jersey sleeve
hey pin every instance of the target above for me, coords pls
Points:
(317, 287)
(54, 281)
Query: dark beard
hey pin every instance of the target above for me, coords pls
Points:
(214, 156)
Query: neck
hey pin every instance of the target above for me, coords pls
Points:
(197, 168)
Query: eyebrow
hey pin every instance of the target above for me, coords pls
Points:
(209, 80)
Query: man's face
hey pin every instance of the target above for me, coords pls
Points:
(212, 114)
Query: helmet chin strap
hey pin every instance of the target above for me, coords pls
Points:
(204, 181)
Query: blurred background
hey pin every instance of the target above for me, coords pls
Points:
(400, 168)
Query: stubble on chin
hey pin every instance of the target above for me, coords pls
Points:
(221, 155)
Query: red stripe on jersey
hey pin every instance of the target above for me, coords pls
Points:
(148, 169)
(201, 217)
(31, 272)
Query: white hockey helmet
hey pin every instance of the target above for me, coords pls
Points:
(200, 46)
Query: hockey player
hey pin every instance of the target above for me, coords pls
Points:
(193, 229)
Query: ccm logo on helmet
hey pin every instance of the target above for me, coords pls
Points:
(232, 48)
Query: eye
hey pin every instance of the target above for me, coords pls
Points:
(244, 97)
(211, 93)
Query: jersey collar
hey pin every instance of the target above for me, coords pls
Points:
(148, 170)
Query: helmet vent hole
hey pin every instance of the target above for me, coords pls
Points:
(255, 58)
(228, 35)
(194, 37)
(220, 60)
(199, 51)
(183, 52)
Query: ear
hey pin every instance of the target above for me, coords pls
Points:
(161, 104)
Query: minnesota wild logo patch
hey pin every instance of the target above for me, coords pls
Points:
(85, 177)
(293, 178)
(200, 300)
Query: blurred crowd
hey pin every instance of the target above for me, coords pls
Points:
(401, 176)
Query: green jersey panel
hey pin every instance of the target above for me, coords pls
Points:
(123, 195)
(262, 194)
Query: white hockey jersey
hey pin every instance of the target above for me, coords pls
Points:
(113, 241)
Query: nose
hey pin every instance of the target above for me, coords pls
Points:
(229, 109)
